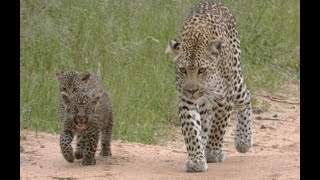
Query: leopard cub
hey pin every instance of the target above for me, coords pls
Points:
(84, 112)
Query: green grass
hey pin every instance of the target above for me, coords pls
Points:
(125, 41)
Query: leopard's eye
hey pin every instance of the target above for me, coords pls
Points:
(202, 70)
(183, 70)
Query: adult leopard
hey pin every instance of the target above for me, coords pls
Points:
(209, 82)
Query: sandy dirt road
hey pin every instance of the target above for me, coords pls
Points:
(275, 153)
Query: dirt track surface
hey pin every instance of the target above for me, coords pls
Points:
(275, 154)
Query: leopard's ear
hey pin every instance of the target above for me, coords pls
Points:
(84, 76)
(215, 47)
(65, 99)
(173, 48)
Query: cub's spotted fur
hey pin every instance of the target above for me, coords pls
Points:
(85, 111)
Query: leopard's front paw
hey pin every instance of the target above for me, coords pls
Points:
(214, 156)
(195, 165)
(88, 160)
(243, 145)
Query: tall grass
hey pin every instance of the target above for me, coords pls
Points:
(125, 41)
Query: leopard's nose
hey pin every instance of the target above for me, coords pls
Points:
(192, 91)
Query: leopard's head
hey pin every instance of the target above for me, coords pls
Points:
(81, 107)
(71, 81)
(196, 64)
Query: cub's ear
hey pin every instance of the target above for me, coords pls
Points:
(95, 98)
(84, 76)
(215, 47)
(65, 98)
(173, 48)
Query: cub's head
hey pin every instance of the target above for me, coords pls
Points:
(81, 107)
(71, 82)
(196, 66)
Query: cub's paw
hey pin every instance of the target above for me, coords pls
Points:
(105, 152)
(195, 165)
(214, 156)
(78, 154)
(67, 153)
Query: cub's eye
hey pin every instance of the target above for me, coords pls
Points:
(87, 110)
(202, 70)
(183, 70)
